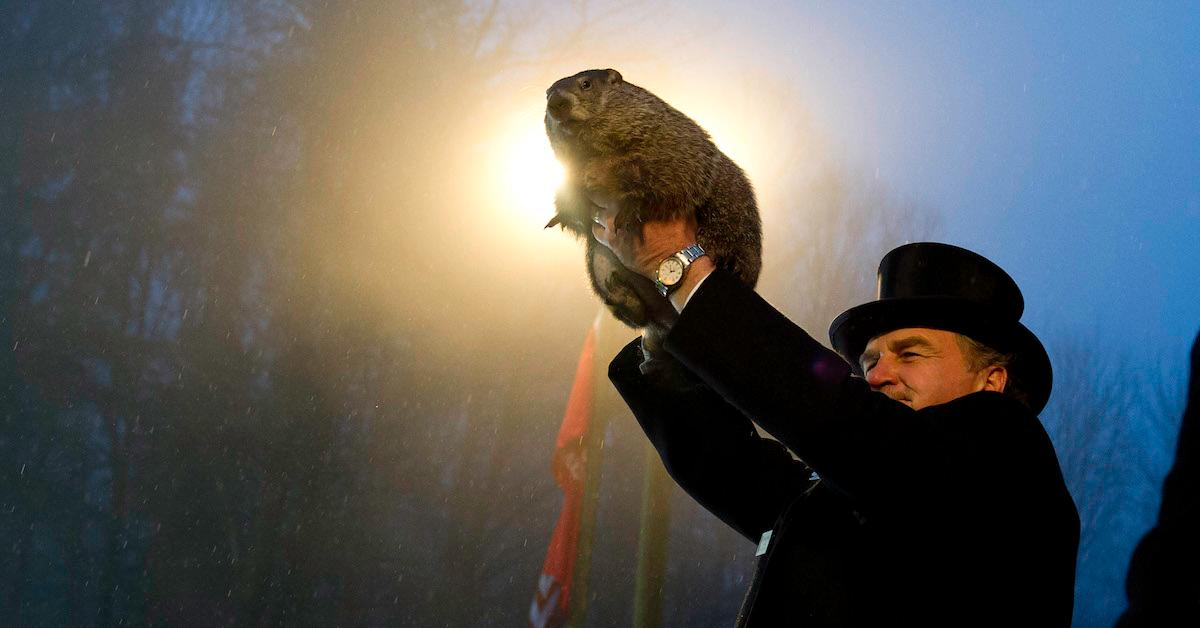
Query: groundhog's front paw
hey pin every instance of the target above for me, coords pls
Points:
(573, 210)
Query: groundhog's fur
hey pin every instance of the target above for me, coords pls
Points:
(620, 142)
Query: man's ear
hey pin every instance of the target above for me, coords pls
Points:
(995, 378)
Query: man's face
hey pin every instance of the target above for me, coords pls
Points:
(921, 367)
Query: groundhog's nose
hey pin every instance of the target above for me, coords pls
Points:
(558, 106)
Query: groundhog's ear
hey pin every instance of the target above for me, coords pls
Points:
(614, 76)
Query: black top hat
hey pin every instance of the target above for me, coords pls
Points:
(927, 284)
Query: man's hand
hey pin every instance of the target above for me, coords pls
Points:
(642, 252)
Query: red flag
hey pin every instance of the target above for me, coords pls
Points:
(552, 600)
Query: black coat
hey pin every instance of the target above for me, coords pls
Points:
(956, 514)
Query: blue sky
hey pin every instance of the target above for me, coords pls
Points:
(1061, 141)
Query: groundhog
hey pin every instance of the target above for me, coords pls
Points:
(618, 141)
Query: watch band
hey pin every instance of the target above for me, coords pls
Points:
(690, 253)
(687, 255)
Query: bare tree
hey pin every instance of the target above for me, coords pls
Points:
(1112, 424)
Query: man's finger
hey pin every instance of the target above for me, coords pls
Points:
(601, 215)
(600, 233)
(602, 225)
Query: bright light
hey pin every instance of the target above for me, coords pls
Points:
(514, 196)
(532, 174)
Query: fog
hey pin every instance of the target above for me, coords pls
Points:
(289, 343)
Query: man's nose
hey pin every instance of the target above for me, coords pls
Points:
(881, 374)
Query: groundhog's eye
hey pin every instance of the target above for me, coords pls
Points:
(585, 84)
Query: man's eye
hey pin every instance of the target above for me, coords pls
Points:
(908, 355)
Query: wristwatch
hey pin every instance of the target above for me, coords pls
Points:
(671, 270)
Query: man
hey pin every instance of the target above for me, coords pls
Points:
(929, 493)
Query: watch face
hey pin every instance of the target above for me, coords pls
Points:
(670, 271)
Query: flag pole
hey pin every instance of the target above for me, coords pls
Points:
(652, 543)
(593, 446)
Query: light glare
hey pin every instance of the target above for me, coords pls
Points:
(533, 174)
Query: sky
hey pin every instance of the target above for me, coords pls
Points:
(1061, 141)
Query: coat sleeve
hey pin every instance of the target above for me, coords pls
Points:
(711, 449)
(805, 395)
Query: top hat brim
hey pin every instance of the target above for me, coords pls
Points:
(851, 331)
